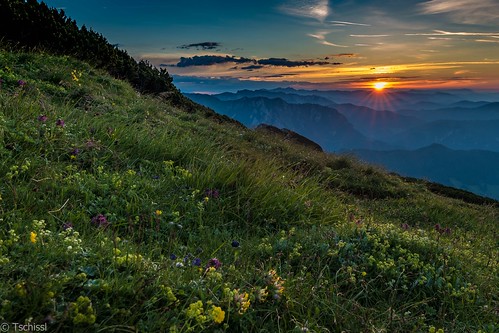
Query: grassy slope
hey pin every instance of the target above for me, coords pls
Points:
(326, 244)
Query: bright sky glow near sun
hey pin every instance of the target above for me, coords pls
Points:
(318, 44)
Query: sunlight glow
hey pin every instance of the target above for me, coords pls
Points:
(379, 86)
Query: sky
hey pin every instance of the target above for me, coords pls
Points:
(211, 46)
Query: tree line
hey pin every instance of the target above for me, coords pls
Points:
(30, 25)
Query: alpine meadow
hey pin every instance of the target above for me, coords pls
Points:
(127, 207)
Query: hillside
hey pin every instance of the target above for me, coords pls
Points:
(123, 213)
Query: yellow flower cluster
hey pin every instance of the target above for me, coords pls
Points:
(75, 75)
(32, 237)
(196, 312)
(242, 301)
(82, 311)
(216, 314)
(276, 283)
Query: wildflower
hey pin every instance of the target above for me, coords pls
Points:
(195, 311)
(262, 294)
(216, 314)
(235, 243)
(405, 226)
(173, 256)
(21, 83)
(60, 123)
(242, 301)
(211, 193)
(158, 212)
(42, 118)
(196, 262)
(100, 221)
(179, 265)
(67, 225)
(32, 237)
(447, 231)
(90, 143)
(214, 262)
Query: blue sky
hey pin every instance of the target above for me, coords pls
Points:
(326, 43)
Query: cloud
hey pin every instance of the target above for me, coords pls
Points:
(369, 36)
(252, 67)
(464, 11)
(486, 41)
(344, 23)
(202, 46)
(289, 63)
(208, 60)
(461, 33)
(316, 9)
(332, 44)
(321, 36)
(345, 55)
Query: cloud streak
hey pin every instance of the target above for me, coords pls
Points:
(316, 9)
(464, 11)
(345, 23)
(202, 46)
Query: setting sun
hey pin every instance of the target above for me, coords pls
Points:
(379, 86)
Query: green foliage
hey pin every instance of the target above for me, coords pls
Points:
(124, 213)
(34, 26)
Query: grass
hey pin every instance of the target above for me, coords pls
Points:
(122, 213)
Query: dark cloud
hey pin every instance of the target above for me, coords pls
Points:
(208, 60)
(282, 62)
(252, 67)
(345, 55)
(202, 46)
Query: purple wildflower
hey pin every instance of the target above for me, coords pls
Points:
(214, 262)
(173, 256)
(448, 231)
(211, 193)
(196, 262)
(67, 225)
(42, 118)
(235, 243)
(75, 151)
(60, 123)
(405, 226)
(100, 221)
(91, 143)
(21, 83)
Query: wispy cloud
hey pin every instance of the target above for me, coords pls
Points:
(316, 9)
(458, 33)
(464, 11)
(325, 42)
(369, 36)
(321, 36)
(345, 23)
(486, 41)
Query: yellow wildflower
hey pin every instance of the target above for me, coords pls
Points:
(217, 314)
(158, 212)
(32, 237)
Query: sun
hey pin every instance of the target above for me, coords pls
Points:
(379, 86)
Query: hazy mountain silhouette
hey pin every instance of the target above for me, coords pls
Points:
(473, 170)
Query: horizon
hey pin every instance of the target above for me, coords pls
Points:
(306, 44)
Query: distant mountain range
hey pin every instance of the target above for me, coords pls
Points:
(450, 137)
(472, 170)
